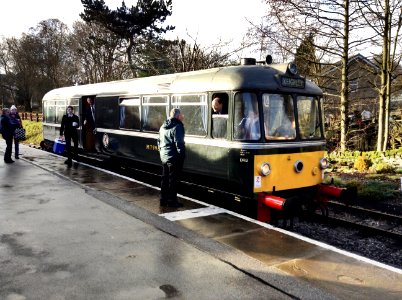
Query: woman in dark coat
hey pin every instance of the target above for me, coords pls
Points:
(7, 130)
(16, 121)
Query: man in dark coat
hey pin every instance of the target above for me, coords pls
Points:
(89, 125)
(7, 130)
(68, 132)
(172, 152)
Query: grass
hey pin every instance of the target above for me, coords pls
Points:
(378, 191)
(34, 133)
(371, 188)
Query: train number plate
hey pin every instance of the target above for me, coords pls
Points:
(298, 83)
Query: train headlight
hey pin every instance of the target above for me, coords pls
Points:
(298, 166)
(292, 68)
(324, 163)
(265, 169)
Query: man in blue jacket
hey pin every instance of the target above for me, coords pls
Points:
(172, 152)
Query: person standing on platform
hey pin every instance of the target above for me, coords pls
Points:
(68, 132)
(16, 121)
(89, 125)
(172, 153)
(7, 130)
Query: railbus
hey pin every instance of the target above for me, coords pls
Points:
(267, 149)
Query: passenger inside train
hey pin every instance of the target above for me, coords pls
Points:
(219, 107)
(219, 104)
(246, 117)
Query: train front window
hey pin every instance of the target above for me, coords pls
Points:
(309, 117)
(279, 117)
(246, 117)
(50, 112)
(60, 110)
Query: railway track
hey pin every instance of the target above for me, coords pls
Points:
(366, 221)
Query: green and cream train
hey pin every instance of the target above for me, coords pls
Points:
(267, 147)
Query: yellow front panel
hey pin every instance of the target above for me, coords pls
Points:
(283, 175)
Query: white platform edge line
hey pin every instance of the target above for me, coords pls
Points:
(193, 213)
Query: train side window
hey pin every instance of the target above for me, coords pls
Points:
(107, 110)
(220, 103)
(129, 111)
(246, 117)
(74, 102)
(219, 115)
(195, 110)
(155, 110)
(60, 110)
(219, 126)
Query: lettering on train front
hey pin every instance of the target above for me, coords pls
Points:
(152, 147)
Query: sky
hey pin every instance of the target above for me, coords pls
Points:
(207, 21)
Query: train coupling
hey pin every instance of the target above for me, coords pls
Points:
(269, 205)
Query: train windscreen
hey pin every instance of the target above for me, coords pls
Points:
(279, 118)
(309, 117)
(246, 117)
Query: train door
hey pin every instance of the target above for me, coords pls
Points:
(217, 150)
(87, 116)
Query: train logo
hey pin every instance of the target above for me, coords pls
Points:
(105, 140)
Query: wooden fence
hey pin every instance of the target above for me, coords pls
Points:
(32, 116)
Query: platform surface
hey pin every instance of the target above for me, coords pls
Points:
(85, 234)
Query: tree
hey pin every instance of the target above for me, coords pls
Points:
(306, 59)
(163, 56)
(332, 22)
(39, 61)
(7, 86)
(54, 55)
(385, 19)
(98, 54)
(25, 68)
(132, 23)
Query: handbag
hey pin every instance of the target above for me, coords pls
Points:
(19, 134)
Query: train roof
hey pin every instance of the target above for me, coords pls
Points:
(244, 77)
